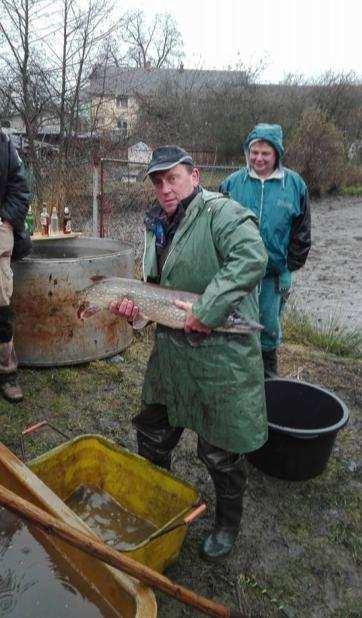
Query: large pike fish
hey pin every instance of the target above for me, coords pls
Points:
(155, 304)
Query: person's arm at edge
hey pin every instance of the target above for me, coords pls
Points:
(300, 236)
(17, 194)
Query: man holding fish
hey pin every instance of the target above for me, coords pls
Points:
(208, 381)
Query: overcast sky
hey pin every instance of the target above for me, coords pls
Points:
(299, 36)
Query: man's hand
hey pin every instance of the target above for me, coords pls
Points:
(124, 308)
(192, 324)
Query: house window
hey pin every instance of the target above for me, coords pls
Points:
(122, 101)
(5, 124)
(122, 124)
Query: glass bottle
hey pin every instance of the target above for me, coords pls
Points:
(29, 221)
(67, 221)
(54, 222)
(44, 221)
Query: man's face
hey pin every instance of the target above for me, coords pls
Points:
(174, 185)
(262, 159)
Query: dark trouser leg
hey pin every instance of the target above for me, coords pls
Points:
(228, 473)
(271, 305)
(6, 324)
(8, 362)
(155, 436)
(270, 362)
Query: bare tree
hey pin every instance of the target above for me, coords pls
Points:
(157, 43)
(37, 78)
(317, 151)
(339, 95)
(21, 84)
(206, 110)
(81, 33)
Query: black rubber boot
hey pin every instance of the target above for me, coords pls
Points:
(270, 361)
(227, 471)
(155, 437)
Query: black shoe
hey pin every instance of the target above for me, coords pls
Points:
(159, 458)
(10, 388)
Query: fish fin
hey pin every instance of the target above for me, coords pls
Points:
(139, 322)
(86, 311)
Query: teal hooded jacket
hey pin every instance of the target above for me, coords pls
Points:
(280, 203)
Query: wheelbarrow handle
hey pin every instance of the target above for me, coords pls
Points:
(32, 429)
(195, 513)
(200, 508)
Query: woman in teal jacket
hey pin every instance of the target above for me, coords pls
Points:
(279, 198)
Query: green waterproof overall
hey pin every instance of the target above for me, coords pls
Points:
(215, 388)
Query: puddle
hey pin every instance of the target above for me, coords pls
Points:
(37, 582)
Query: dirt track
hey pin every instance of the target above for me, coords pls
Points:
(330, 283)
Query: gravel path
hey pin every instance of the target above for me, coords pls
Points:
(330, 284)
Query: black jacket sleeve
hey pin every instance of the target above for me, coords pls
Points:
(300, 237)
(15, 194)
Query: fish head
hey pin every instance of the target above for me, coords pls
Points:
(236, 321)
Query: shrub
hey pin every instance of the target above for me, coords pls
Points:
(317, 151)
(352, 185)
(353, 176)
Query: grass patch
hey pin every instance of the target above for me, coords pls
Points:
(331, 335)
(251, 593)
(353, 191)
(342, 533)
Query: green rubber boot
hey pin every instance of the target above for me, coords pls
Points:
(228, 473)
(219, 544)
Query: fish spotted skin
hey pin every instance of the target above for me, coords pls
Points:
(155, 304)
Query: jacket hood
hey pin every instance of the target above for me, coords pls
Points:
(271, 133)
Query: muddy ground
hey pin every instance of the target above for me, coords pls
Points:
(330, 283)
(299, 547)
(299, 541)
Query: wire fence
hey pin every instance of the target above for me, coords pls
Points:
(107, 196)
(123, 197)
(122, 187)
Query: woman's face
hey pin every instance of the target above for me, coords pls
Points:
(262, 158)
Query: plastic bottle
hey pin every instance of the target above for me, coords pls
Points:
(67, 221)
(44, 221)
(29, 221)
(54, 222)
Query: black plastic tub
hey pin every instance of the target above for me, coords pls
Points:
(303, 422)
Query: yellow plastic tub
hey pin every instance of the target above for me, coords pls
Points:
(121, 595)
(140, 487)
